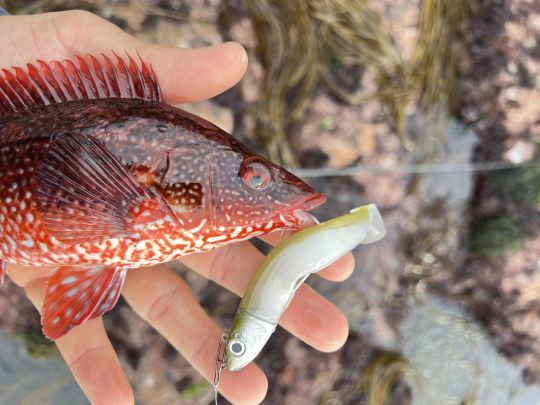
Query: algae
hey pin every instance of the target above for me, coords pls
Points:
(37, 346)
(495, 235)
(521, 185)
(194, 390)
(300, 43)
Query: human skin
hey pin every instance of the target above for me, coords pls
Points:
(157, 294)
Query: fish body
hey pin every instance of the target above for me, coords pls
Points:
(98, 175)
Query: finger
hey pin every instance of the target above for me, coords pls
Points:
(163, 299)
(188, 75)
(23, 275)
(338, 271)
(310, 316)
(185, 75)
(90, 356)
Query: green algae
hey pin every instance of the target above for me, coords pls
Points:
(36, 344)
(495, 236)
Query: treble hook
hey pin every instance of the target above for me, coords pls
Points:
(221, 363)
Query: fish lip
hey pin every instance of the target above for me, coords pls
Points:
(313, 201)
(302, 219)
(298, 216)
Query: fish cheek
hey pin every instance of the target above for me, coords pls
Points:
(183, 195)
(183, 182)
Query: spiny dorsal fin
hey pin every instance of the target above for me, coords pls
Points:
(76, 79)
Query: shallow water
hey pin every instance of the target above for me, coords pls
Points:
(26, 380)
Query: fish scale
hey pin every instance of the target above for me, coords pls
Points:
(98, 175)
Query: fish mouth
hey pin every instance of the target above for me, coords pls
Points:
(312, 202)
(299, 217)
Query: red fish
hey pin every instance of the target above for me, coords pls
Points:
(98, 176)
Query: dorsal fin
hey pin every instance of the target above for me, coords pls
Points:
(80, 78)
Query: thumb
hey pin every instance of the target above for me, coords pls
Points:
(185, 75)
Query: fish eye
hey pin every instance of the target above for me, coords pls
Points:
(256, 175)
(237, 347)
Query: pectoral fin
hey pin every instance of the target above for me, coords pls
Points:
(84, 193)
(75, 294)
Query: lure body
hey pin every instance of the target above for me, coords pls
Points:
(98, 175)
(284, 270)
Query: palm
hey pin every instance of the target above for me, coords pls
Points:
(157, 294)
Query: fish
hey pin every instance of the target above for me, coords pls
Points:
(98, 175)
(284, 270)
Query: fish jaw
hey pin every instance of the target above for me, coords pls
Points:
(313, 202)
(298, 217)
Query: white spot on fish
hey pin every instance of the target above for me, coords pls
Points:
(69, 280)
(198, 228)
(213, 239)
(28, 242)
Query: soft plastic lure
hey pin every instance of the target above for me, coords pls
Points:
(285, 269)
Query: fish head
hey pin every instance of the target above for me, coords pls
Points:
(252, 194)
(210, 179)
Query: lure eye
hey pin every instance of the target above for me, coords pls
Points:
(237, 347)
(256, 175)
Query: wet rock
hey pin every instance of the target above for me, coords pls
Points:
(336, 131)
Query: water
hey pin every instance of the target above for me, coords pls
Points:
(25, 380)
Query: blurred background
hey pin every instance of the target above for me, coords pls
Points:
(431, 110)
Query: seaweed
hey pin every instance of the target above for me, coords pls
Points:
(495, 236)
(36, 344)
(300, 44)
(521, 185)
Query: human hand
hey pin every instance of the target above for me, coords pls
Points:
(157, 294)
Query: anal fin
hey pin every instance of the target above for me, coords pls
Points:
(75, 294)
